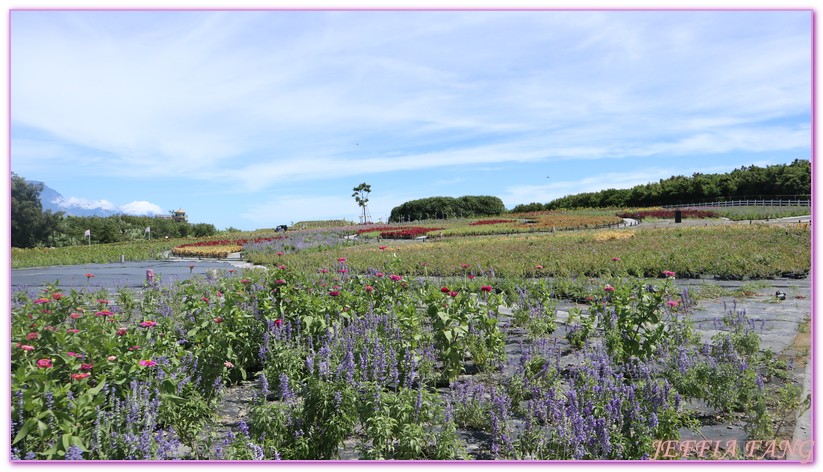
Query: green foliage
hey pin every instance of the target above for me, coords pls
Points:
(780, 180)
(30, 225)
(447, 207)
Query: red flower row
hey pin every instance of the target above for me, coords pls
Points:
(407, 233)
(490, 222)
(231, 242)
(639, 215)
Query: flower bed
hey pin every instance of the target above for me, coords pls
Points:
(490, 222)
(407, 232)
(668, 214)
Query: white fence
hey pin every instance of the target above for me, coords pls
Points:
(737, 203)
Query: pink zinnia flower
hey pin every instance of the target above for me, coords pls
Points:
(44, 363)
(41, 300)
(368, 288)
(31, 336)
(147, 363)
(89, 275)
(103, 301)
(341, 259)
(80, 376)
(452, 294)
(245, 281)
(444, 289)
(396, 278)
(608, 288)
(103, 313)
(86, 366)
(471, 276)
(218, 320)
(75, 315)
(72, 330)
(57, 295)
(279, 253)
(148, 323)
(122, 331)
(668, 273)
(334, 293)
(111, 358)
(486, 288)
(464, 265)
(380, 274)
(538, 267)
(281, 267)
(672, 303)
(205, 299)
(382, 248)
(26, 347)
(228, 364)
(134, 348)
(615, 259)
(280, 282)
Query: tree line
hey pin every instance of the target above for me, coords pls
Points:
(31, 226)
(752, 182)
(447, 207)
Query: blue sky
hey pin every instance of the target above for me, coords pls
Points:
(252, 119)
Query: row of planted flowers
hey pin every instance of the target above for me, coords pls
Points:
(369, 358)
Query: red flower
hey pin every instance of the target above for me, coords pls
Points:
(25, 347)
(486, 288)
(334, 293)
(382, 248)
(281, 267)
(280, 282)
(538, 267)
(73, 330)
(368, 288)
(279, 253)
(122, 332)
(470, 276)
(205, 299)
(80, 376)
(148, 323)
(103, 313)
(608, 288)
(396, 278)
(103, 301)
(89, 275)
(444, 289)
(380, 274)
(452, 294)
(278, 323)
(341, 259)
(245, 281)
(218, 320)
(41, 300)
(134, 348)
(57, 295)
(464, 265)
(86, 366)
(615, 259)
(44, 363)
(31, 336)
(668, 273)
(75, 315)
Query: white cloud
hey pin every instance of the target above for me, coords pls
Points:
(141, 207)
(76, 202)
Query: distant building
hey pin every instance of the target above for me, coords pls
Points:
(179, 216)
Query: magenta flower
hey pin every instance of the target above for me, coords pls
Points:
(538, 267)
(44, 364)
(218, 320)
(57, 295)
(486, 288)
(103, 301)
(470, 276)
(382, 248)
(148, 324)
(279, 253)
(103, 313)
(122, 331)
(368, 288)
(341, 259)
(41, 300)
(672, 303)
(86, 366)
(26, 347)
(278, 322)
(452, 294)
(464, 265)
(616, 259)
(334, 293)
(668, 273)
(72, 330)
(608, 288)
(281, 267)
(32, 336)
(280, 282)
(380, 274)
(88, 276)
(445, 289)
(75, 315)
(80, 376)
(147, 363)
(396, 278)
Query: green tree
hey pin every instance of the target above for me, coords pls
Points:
(361, 196)
(30, 225)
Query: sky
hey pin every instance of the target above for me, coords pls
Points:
(252, 119)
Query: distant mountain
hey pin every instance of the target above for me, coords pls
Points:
(52, 200)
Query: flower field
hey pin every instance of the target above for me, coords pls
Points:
(552, 346)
